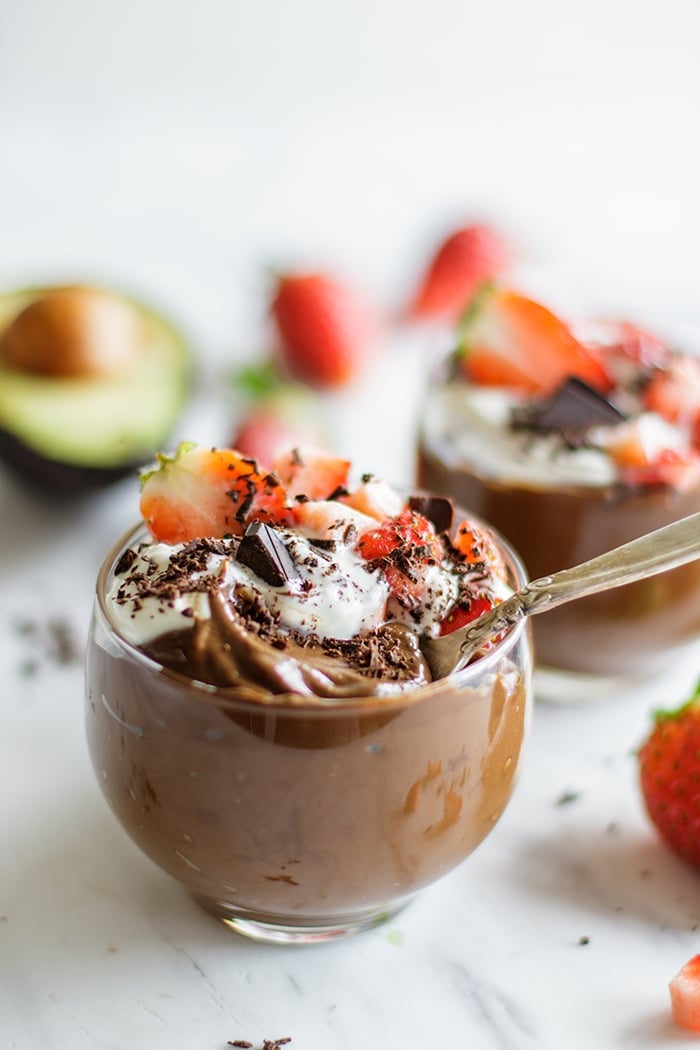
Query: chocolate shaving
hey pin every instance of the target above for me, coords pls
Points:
(125, 562)
(438, 509)
(262, 550)
(323, 544)
(571, 410)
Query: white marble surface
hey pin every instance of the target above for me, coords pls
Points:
(99, 949)
(179, 158)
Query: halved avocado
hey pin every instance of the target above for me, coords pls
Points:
(71, 433)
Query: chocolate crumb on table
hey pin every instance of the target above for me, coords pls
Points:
(567, 797)
(267, 1044)
(52, 640)
(63, 648)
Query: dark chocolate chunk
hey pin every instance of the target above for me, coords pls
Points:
(262, 550)
(571, 410)
(438, 509)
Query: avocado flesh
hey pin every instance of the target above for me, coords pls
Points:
(106, 422)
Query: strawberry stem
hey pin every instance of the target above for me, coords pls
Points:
(474, 306)
(666, 714)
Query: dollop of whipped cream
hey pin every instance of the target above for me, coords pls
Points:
(333, 606)
(471, 427)
(165, 587)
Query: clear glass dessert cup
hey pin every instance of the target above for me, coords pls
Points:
(593, 647)
(300, 821)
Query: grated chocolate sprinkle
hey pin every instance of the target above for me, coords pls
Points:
(125, 562)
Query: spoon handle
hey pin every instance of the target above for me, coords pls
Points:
(658, 551)
(666, 548)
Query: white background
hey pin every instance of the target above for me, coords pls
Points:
(181, 149)
(164, 141)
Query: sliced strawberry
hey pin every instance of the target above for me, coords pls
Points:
(402, 547)
(208, 492)
(476, 547)
(465, 612)
(407, 530)
(311, 472)
(624, 339)
(644, 452)
(630, 445)
(674, 392)
(330, 520)
(375, 498)
(673, 468)
(509, 340)
(462, 263)
(684, 989)
(407, 590)
(324, 329)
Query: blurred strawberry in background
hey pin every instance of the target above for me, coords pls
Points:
(324, 329)
(469, 257)
(275, 414)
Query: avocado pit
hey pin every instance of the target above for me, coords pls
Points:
(71, 332)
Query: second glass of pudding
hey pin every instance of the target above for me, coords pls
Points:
(580, 443)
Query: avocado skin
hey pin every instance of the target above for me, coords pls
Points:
(54, 477)
(58, 478)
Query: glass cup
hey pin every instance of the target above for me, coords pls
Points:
(299, 821)
(594, 646)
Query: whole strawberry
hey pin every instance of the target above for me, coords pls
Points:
(324, 329)
(463, 262)
(669, 768)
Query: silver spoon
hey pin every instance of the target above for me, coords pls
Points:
(663, 549)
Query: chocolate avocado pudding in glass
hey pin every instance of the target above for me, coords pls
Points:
(260, 714)
(572, 443)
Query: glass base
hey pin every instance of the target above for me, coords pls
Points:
(554, 686)
(285, 930)
(673, 676)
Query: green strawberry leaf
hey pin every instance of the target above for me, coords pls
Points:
(163, 458)
(258, 380)
(668, 714)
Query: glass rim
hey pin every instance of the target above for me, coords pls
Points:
(313, 706)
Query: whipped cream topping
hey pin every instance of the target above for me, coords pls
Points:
(336, 603)
(335, 596)
(469, 426)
